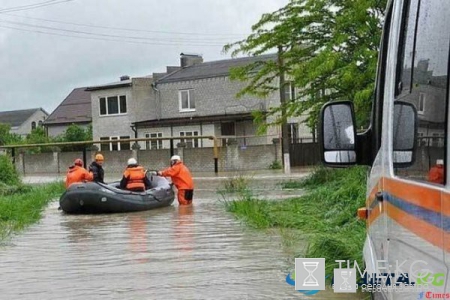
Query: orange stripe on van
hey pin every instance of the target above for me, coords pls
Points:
(374, 213)
(418, 195)
(419, 227)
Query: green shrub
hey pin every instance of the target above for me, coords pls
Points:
(8, 173)
(275, 165)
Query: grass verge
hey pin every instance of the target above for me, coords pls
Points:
(22, 206)
(326, 216)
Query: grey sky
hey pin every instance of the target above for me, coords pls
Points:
(39, 70)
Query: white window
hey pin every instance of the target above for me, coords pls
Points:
(115, 146)
(190, 143)
(421, 108)
(156, 144)
(289, 91)
(114, 105)
(186, 99)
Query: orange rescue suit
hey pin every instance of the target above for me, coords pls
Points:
(436, 174)
(181, 177)
(135, 176)
(77, 174)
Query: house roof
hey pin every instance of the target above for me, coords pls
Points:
(112, 85)
(16, 117)
(117, 84)
(193, 120)
(212, 69)
(76, 108)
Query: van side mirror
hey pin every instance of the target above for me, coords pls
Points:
(338, 133)
(405, 134)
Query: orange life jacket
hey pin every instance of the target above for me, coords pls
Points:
(181, 177)
(135, 178)
(77, 174)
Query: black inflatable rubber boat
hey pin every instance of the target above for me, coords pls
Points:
(91, 197)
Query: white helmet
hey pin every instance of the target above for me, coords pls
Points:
(132, 161)
(175, 157)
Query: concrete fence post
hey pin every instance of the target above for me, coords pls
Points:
(232, 157)
(180, 150)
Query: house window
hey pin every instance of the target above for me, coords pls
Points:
(421, 108)
(155, 144)
(104, 147)
(186, 98)
(40, 123)
(228, 129)
(190, 143)
(33, 125)
(124, 145)
(114, 105)
(115, 146)
(289, 91)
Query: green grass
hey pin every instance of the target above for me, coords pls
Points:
(23, 206)
(326, 216)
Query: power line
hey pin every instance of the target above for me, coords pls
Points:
(33, 6)
(203, 41)
(110, 40)
(131, 29)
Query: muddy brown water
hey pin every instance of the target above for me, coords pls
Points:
(198, 252)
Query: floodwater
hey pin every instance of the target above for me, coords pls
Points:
(197, 252)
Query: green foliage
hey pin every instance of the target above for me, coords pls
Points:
(21, 209)
(236, 184)
(8, 173)
(326, 215)
(328, 48)
(275, 165)
(75, 133)
(7, 138)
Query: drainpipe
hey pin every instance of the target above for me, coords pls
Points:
(158, 99)
(133, 127)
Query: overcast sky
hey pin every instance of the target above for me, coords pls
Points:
(38, 69)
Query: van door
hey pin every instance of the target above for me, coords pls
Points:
(414, 195)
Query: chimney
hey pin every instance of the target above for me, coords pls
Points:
(124, 77)
(187, 60)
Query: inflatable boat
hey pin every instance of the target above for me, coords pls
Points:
(92, 197)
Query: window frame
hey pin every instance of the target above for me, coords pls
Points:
(114, 141)
(159, 143)
(119, 105)
(180, 100)
(186, 139)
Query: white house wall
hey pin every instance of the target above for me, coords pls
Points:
(115, 125)
(25, 128)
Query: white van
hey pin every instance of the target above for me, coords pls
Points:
(408, 193)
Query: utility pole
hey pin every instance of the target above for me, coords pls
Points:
(284, 125)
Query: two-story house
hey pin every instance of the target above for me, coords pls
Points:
(23, 121)
(199, 99)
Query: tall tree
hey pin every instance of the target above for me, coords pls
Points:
(329, 51)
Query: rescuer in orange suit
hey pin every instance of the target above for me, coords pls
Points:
(436, 174)
(134, 178)
(181, 178)
(77, 173)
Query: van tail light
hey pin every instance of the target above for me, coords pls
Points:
(363, 213)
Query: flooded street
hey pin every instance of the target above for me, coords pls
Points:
(198, 252)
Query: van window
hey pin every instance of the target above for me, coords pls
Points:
(422, 80)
